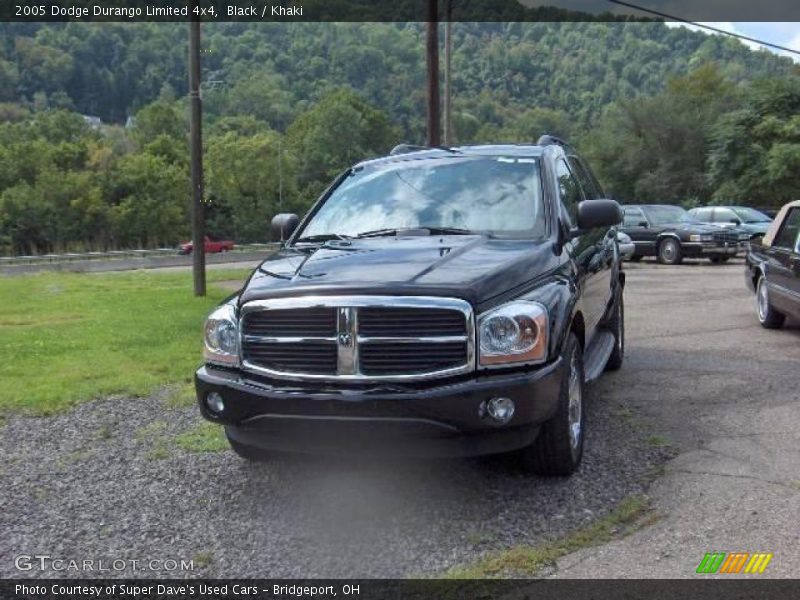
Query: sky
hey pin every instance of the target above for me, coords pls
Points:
(783, 34)
(775, 31)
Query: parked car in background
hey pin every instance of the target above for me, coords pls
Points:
(434, 302)
(670, 234)
(749, 221)
(772, 269)
(626, 246)
(211, 246)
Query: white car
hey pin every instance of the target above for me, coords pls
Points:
(626, 245)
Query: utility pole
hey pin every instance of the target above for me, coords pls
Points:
(432, 61)
(196, 151)
(448, 52)
(280, 176)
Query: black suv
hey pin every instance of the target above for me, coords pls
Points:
(435, 302)
(670, 233)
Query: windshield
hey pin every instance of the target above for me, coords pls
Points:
(750, 215)
(483, 194)
(660, 215)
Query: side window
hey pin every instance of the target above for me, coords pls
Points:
(724, 215)
(787, 237)
(703, 214)
(569, 190)
(586, 181)
(633, 216)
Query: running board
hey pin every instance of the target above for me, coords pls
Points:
(597, 353)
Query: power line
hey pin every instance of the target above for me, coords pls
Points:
(709, 27)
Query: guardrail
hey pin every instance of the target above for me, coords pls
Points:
(45, 259)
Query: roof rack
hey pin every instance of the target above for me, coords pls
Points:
(408, 148)
(550, 140)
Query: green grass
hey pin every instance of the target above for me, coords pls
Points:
(70, 337)
(206, 437)
(658, 441)
(180, 396)
(202, 559)
(629, 515)
(160, 444)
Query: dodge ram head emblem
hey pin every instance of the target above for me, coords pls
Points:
(345, 339)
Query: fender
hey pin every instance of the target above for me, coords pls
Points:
(667, 234)
(562, 305)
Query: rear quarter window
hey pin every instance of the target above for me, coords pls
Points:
(787, 237)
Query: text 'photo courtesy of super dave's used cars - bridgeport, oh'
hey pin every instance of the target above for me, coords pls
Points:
(434, 302)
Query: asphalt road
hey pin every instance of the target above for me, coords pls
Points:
(703, 374)
(106, 480)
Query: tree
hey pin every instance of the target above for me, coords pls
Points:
(263, 96)
(336, 132)
(244, 180)
(150, 200)
(755, 151)
(654, 149)
(158, 119)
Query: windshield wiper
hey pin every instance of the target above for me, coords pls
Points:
(432, 230)
(324, 237)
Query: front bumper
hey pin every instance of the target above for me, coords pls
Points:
(710, 249)
(443, 419)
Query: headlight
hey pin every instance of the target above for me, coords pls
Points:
(513, 333)
(221, 337)
(701, 238)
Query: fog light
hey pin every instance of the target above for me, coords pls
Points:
(215, 403)
(500, 409)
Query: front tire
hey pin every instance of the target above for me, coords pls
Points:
(558, 448)
(669, 252)
(767, 315)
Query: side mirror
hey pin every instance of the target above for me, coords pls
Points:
(644, 224)
(593, 214)
(736, 221)
(283, 226)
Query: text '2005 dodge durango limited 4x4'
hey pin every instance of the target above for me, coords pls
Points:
(435, 302)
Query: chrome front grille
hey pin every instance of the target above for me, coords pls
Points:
(385, 358)
(358, 337)
(730, 237)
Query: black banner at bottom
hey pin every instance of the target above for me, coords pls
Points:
(397, 589)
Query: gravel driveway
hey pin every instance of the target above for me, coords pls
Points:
(88, 485)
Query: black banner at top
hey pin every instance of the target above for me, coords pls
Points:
(396, 10)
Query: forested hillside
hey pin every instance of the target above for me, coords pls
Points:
(659, 111)
(274, 71)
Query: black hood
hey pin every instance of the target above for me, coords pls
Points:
(472, 267)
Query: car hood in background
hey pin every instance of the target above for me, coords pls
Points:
(472, 267)
(755, 228)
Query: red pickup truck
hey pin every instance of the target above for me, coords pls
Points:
(211, 246)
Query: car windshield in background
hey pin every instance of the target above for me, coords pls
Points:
(496, 195)
(750, 215)
(662, 215)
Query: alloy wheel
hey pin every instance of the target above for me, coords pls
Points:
(762, 300)
(575, 404)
